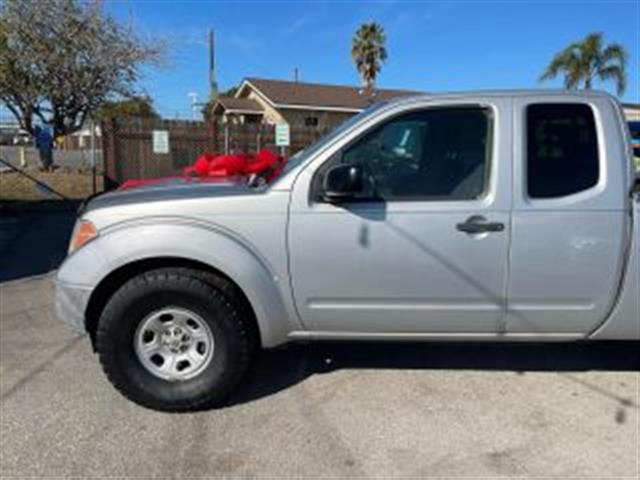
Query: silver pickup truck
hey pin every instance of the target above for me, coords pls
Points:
(487, 216)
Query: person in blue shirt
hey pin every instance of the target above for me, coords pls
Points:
(44, 144)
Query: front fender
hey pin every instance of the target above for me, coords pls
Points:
(236, 257)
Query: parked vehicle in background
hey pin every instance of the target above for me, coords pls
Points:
(7, 134)
(22, 138)
(482, 216)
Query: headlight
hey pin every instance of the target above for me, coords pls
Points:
(83, 232)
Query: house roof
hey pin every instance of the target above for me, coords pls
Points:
(238, 105)
(287, 94)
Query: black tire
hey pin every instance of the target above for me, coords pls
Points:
(214, 299)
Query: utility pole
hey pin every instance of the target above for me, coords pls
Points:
(295, 74)
(213, 83)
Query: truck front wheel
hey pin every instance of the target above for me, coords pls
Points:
(171, 341)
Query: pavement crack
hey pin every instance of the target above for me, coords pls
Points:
(40, 368)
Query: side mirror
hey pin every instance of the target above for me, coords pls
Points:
(342, 182)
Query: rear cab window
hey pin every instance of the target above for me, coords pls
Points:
(562, 150)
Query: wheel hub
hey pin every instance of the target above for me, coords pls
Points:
(174, 343)
(176, 340)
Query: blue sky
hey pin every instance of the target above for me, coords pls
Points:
(433, 46)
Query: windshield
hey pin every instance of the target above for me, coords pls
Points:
(302, 155)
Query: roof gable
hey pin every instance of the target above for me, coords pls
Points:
(237, 105)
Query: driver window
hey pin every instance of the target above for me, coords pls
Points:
(438, 154)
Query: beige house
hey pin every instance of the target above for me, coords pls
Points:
(260, 100)
(632, 111)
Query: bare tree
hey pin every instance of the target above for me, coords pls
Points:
(61, 59)
(133, 107)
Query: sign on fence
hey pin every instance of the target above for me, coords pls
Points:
(282, 135)
(160, 141)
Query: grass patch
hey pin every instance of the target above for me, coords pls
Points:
(20, 194)
(73, 185)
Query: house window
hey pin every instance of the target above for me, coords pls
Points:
(311, 121)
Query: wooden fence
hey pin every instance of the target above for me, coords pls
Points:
(129, 151)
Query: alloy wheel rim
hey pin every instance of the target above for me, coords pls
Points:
(174, 344)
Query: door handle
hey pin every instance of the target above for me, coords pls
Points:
(479, 224)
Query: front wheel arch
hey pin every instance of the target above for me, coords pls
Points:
(117, 278)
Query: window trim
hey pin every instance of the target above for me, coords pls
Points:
(315, 189)
(597, 186)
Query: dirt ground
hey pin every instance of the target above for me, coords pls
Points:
(73, 185)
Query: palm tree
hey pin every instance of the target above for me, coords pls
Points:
(585, 61)
(368, 52)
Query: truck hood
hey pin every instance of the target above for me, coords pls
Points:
(170, 190)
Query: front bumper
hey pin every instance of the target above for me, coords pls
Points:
(71, 304)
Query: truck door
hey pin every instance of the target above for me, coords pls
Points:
(569, 221)
(423, 248)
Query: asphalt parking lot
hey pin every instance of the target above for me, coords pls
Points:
(331, 410)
